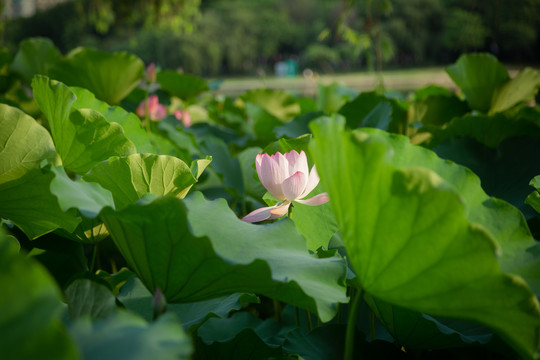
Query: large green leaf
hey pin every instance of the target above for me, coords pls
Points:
(170, 244)
(126, 336)
(410, 242)
(35, 56)
(88, 297)
(82, 137)
(29, 204)
(31, 304)
(521, 89)
(88, 198)
(129, 121)
(184, 86)
(24, 144)
(111, 77)
(278, 103)
(478, 76)
(129, 178)
(504, 222)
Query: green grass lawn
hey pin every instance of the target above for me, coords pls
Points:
(402, 80)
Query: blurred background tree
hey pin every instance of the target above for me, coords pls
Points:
(231, 37)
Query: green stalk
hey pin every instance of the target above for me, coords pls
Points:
(94, 256)
(277, 310)
(309, 322)
(351, 325)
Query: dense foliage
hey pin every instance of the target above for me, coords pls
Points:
(235, 36)
(122, 235)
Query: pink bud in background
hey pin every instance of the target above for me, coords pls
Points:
(184, 116)
(151, 74)
(156, 111)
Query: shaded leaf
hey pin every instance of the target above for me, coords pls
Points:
(242, 336)
(372, 110)
(489, 130)
(138, 299)
(126, 336)
(35, 56)
(31, 300)
(29, 204)
(87, 297)
(437, 109)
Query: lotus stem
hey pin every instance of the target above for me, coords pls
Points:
(351, 325)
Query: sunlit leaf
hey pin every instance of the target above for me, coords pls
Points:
(83, 137)
(24, 144)
(520, 89)
(129, 178)
(131, 124)
(478, 76)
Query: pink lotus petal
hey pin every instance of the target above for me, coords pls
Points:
(271, 176)
(258, 164)
(279, 211)
(297, 162)
(283, 163)
(258, 215)
(159, 113)
(294, 185)
(312, 182)
(316, 200)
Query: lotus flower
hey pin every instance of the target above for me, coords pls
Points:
(184, 116)
(156, 111)
(287, 178)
